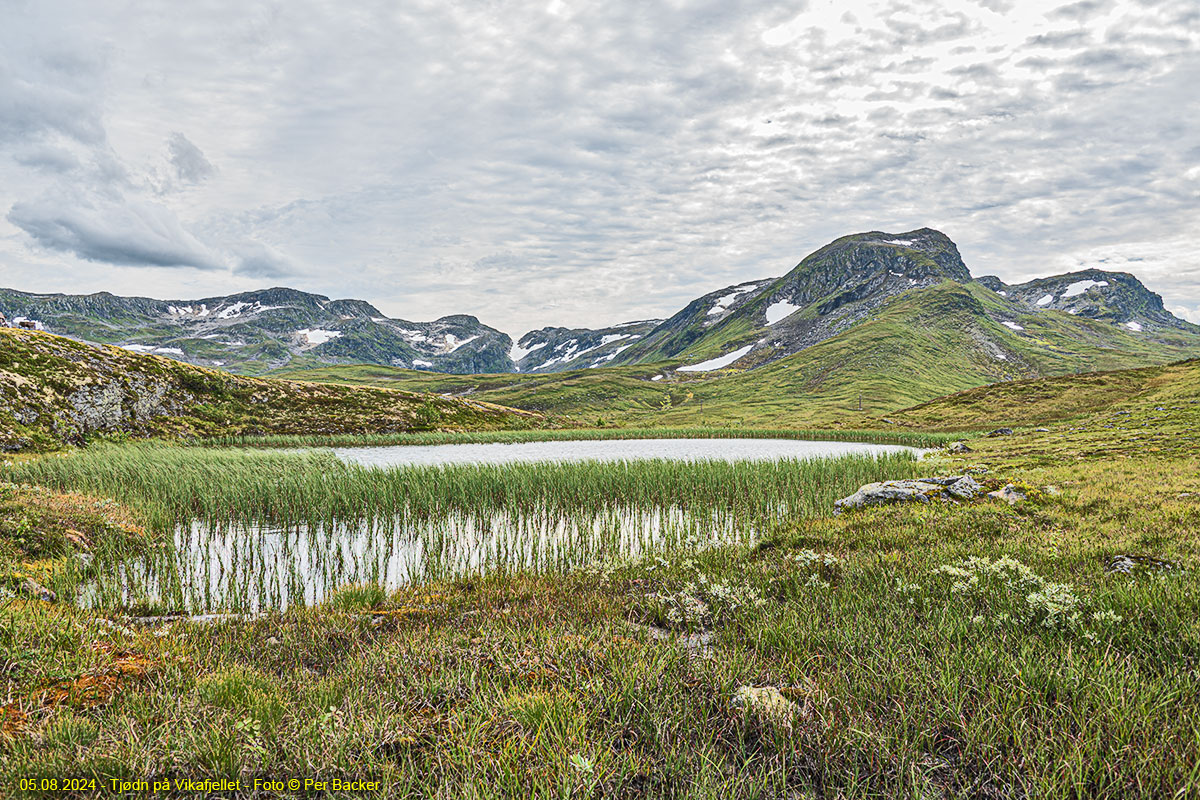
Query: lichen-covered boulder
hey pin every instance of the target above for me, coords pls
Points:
(958, 447)
(911, 490)
(965, 488)
(889, 492)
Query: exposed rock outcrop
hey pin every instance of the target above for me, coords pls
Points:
(911, 490)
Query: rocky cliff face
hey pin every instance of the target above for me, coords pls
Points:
(55, 390)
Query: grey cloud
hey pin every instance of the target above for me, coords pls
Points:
(1082, 9)
(47, 158)
(188, 160)
(1058, 39)
(29, 111)
(128, 232)
(257, 260)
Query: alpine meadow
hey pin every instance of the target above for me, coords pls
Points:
(501, 447)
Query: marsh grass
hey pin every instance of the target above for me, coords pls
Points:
(249, 529)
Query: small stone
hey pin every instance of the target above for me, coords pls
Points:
(272, 640)
(1009, 494)
(1051, 490)
(958, 447)
(1001, 432)
(764, 702)
(1122, 564)
(1041, 430)
(34, 589)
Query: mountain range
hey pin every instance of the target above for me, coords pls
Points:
(1044, 326)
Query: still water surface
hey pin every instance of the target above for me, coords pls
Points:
(607, 450)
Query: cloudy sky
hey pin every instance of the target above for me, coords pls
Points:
(583, 163)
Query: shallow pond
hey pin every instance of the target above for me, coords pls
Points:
(608, 450)
(543, 517)
(255, 567)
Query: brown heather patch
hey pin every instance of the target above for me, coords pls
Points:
(91, 689)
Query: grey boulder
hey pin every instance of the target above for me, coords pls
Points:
(911, 490)
(1009, 494)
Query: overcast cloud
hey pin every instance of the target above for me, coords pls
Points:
(575, 163)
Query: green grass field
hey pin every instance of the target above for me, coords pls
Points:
(939, 650)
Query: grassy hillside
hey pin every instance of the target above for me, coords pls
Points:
(1036, 402)
(57, 390)
(936, 650)
(920, 346)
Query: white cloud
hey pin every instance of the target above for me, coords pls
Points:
(570, 163)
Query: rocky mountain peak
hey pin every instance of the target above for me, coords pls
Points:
(1115, 297)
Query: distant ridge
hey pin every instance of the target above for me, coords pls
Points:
(847, 283)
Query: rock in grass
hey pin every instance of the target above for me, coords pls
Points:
(1001, 432)
(965, 488)
(888, 492)
(34, 589)
(912, 490)
(1129, 565)
(765, 703)
(958, 447)
(1009, 494)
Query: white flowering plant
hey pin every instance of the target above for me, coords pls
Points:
(704, 602)
(1005, 592)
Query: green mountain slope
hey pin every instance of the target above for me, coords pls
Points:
(919, 345)
(55, 390)
(849, 281)
(1116, 393)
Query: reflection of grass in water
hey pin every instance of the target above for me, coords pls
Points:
(342, 523)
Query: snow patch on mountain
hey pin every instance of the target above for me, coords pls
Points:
(316, 336)
(779, 310)
(1079, 287)
(722, 303)
(718, 362)
(453, 342)
(516, 352)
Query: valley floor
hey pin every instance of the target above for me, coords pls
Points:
(933, 650)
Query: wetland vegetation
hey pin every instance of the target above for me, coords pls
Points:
(253, 529)
(928, 650)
